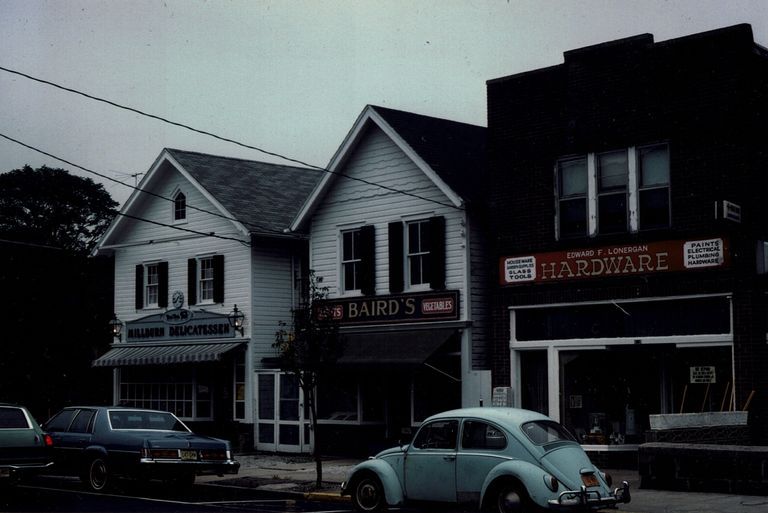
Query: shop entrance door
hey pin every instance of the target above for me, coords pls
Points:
(281, 424)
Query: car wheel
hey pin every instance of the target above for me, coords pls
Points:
(511, 498)
(368, 494)
(96, 476)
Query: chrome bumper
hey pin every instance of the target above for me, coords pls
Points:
(591, 498)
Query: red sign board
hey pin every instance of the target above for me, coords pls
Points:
(620, 260)
(418, 307)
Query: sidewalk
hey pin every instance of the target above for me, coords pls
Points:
(295, 476)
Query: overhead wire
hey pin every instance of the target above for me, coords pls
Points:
(199, 209)
(225, 139)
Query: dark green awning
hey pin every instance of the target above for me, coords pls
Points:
(393, 348)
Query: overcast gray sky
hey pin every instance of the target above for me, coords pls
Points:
(287, 76)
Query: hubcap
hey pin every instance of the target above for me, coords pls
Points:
(98, 474)
(367, 495)
(510, 502)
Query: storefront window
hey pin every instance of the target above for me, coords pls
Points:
(337, 401)
(182, 394)
(432, 393)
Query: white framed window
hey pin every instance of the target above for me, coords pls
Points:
(179, 207)
(187, 400)
(151, 285)
(351, 261)
(205, 280)
(619, 191)
(417, 253)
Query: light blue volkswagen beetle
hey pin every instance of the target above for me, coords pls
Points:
(499, 459)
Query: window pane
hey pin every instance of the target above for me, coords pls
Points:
(289, 435)
(654, 166)
(654, 208)
(414, 237)
(180, 207)
(266, 433)
(479, 435)
(350, 276)
(337, 401)
(573, 217)
(612, 213)
(612, 168)
(573, 177)
(266, 396)
(440, 434)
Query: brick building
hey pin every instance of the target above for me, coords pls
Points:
(632, 182)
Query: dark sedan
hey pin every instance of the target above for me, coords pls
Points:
(24, 448)
(97, 443)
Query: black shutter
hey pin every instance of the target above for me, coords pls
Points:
(218, 278)
(396, 257)
(192, 281)
(436, 252)
(162, 285)
(139, 287)
(368, 260)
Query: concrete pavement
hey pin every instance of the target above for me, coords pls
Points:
(295, 476)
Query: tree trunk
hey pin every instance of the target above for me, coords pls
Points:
(309, 395)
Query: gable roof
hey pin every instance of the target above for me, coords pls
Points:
(259, 197)
(450, 153)
(264, 197)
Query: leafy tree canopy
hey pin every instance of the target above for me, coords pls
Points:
(52, 207)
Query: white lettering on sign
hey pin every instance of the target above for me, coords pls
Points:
(439, 305)
(703, 253)
(703, 374)
(520, 269)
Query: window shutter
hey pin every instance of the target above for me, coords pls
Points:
(162, 285)
(396, 257)
(139, 287)
(192, 281)
(437, 253)
(368, 260)
(218, 278)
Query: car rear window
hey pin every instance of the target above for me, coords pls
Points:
(13, 418)
(136, 419)
(543, 432)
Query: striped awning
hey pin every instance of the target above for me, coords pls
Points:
(164, 354)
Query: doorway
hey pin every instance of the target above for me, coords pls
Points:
(281, 423)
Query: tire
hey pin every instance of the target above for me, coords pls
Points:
(368, 494)
(510, 498)
(96, 474)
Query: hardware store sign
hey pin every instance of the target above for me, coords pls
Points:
(620, 260)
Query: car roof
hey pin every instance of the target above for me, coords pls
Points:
(513, 416)
(126, 408)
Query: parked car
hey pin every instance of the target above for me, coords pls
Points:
(498, 459)
(24, 447)
(98, 443)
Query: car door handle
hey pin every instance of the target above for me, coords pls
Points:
(450, 457)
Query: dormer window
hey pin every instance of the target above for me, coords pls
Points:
(180, 207)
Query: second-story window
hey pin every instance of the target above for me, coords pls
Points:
(620, 191)
(417, 253)
(152, 285)
(350, 260)
(179, 207)
(612, 172)
(205, 279)
(653, 178)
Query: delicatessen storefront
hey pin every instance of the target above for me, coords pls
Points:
(589, 351)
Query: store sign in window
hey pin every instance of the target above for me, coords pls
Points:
(619, 260)
(703, 374)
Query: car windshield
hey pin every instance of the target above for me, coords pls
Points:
(154, 420)
(543, 432)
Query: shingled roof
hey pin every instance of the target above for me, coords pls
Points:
(455, 151)
(262, 196)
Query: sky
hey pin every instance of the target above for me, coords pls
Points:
(289, 77)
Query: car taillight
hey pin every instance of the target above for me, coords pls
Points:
(551, 482)
(48, 440)
(208, 454)
(164, 454)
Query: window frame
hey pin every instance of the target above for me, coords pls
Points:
(201, 282)
(423, 256)
(355, 260)
(151, 288)
(594, 193)
(179, 209)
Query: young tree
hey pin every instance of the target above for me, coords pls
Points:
(309, 349)
(51, 207)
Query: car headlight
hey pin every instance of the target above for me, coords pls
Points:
(551, 482)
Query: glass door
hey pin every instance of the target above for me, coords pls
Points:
(281, 417)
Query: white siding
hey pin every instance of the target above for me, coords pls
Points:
(378, 159)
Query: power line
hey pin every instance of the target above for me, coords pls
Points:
(225, 139)
(218, 214)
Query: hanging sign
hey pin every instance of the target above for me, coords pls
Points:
(703, 374)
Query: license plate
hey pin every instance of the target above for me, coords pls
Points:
(189, 455)
(589, 480)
